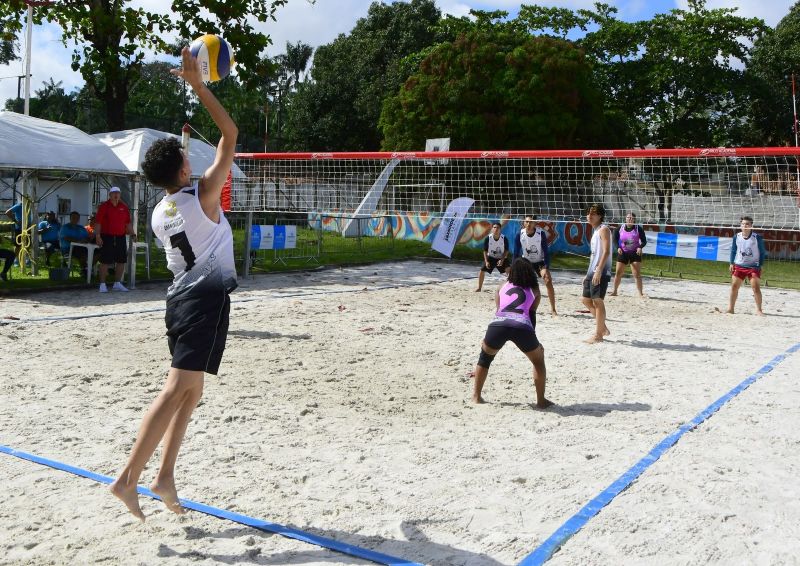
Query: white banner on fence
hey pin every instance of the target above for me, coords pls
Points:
(710, 248)
(273, 237)
(450, 227)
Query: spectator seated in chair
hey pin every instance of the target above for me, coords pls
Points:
(73, 232)
(8, 259)
(48, 230)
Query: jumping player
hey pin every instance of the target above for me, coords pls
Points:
(531, 244)
(747, 258)
(199, 246)
(495, 254)
(595, 284)
(629, 240)
(515, 319)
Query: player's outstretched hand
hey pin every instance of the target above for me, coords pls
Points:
(190, 69)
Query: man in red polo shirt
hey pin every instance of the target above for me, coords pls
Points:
(112, 224)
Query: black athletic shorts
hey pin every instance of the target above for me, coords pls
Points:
(595, 291)
(493, 261)
(114, 250)
(523, 336)
(629, 257)
(197, 328)
(538, 266)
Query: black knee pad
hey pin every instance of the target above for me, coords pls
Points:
(485, 360)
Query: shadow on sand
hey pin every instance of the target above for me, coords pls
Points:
(663, 346)
(416, 548)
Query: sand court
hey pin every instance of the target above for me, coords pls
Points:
(343, 409)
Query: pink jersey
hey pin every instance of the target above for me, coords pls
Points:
(515, 304)
(629, 239)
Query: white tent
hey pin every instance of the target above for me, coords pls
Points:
(131, 145)
(36, 144)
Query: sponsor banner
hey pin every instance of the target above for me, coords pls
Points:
(711, 248)
(450, 226)
(273, 237)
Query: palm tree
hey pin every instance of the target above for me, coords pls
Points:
(296, 59)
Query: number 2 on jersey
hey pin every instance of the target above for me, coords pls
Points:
(512, 306)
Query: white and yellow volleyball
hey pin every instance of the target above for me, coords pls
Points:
(214, 55)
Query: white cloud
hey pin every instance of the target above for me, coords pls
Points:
(771, 11)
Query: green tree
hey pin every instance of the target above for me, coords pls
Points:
(496, 88)
(776, 56)
(296, 60)
(339, 107)
(677, 79)
(49, 103)
(7, 51)
(111, 38)
(158, 99)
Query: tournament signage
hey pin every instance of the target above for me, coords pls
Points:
(273, 237)
(450, 227)
(710, 248)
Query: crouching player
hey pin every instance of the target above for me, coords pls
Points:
(515, 319)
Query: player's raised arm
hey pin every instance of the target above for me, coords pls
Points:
(214, 177)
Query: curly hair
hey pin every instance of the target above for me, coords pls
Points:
(523, 274)
(163, 162)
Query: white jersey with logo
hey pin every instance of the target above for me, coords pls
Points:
(747, 252)
(532, 246)
(496, 247)
(199, 251)
(596, 252)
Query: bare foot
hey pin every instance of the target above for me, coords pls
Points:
(478, 401)
(129, 496)
(606, 331)
(613, 293)
(760, 313)
(543, 404)
(553, 313)
(165, 489)
(642, 296)
(594, 339)
(478, 290)
(729, 311)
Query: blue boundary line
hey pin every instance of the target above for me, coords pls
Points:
(236, 302)
(579, 519)
(261, 525)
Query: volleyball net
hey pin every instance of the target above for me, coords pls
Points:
(690, 187)
(691, 200)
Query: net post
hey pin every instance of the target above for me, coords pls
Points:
(248, 237)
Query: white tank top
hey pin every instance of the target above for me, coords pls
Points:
(532, 246)
(199, 251)
(747, 254)
(596, 252)
(496, 247)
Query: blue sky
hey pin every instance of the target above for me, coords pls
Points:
(321, 22)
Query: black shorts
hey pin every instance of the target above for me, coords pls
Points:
(595, 291)
(114, 250)
(78, 252)
(197, 328)
(629, 257)
(523, 336)
(538, 266)
(493, 264)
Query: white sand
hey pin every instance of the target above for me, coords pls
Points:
(343, 409)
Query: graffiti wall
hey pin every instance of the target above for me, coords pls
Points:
(562, 237)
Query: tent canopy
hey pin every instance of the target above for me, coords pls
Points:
(33, 143)
(131, 145)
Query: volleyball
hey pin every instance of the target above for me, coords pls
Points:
(214, 55)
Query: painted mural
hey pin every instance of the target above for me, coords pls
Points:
(562, 237)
